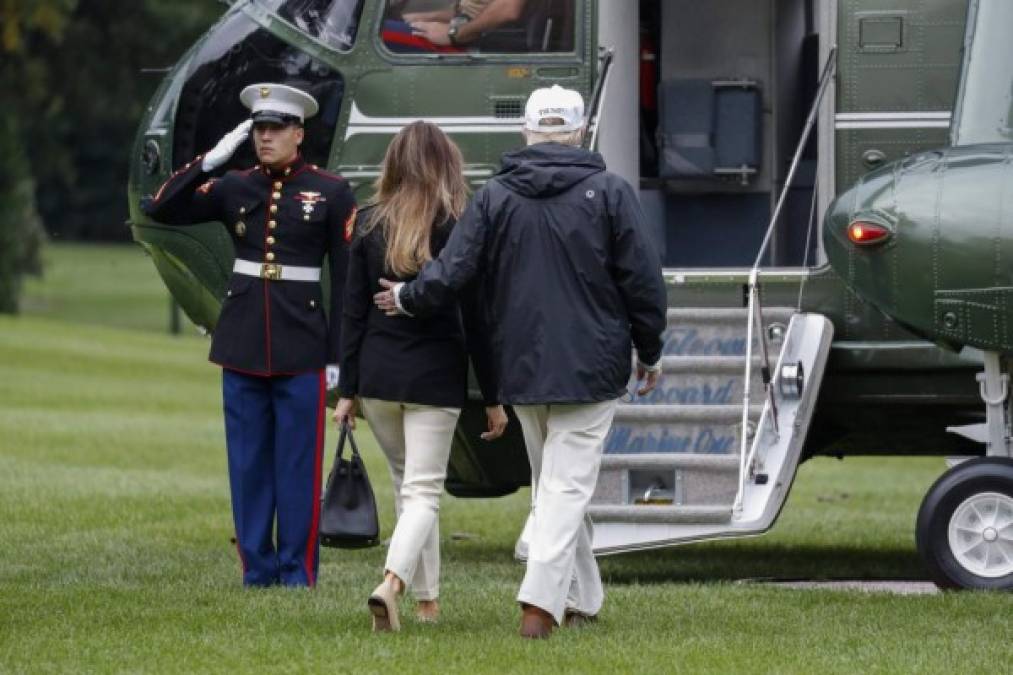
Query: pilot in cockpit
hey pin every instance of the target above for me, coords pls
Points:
(463, 22)
(461, 25)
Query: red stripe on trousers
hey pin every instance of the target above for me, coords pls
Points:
(315, 527)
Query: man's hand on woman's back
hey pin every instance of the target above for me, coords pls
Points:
(385, 301)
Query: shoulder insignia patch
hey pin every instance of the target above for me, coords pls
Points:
(206, 187)
(350, 224)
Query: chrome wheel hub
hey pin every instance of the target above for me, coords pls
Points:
(981, 534)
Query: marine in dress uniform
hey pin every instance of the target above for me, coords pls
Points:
(273, 339)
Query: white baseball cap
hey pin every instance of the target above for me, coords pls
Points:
(278, 103)
(546, 106)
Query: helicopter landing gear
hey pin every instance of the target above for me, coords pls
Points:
(993, 384)
(965, 523)
(965, 526)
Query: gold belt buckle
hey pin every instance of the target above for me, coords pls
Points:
(270, 271)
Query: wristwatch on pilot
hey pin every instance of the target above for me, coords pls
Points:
(455, 26)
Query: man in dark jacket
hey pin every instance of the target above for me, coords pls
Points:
(569, 279)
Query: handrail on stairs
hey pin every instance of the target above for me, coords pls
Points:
(754, 311)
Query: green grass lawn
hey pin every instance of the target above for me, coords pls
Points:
(116, 552)
(103, 285)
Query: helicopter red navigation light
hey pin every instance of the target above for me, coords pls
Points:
(864, 233)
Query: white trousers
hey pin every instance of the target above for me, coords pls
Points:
(564, 445)
(416, 440)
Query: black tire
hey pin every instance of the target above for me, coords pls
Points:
(975, 476)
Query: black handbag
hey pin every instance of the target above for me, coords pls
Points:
(348, 512)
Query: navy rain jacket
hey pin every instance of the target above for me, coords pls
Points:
(567, 277)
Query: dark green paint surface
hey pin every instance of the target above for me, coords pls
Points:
(947, 269)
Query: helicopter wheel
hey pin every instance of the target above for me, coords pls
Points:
(965, 526)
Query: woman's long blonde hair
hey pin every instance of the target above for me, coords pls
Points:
(421, 185)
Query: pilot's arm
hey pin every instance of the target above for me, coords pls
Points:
(444, 15)
(494, 15)
(189, 196)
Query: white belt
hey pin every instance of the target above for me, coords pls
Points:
(276, 272)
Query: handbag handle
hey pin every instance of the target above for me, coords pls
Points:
(346, 432)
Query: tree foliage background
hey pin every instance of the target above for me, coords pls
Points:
(74, 90)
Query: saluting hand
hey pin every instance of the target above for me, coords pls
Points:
(384, 300)
(345, 412)
(226, 147)
(497, 420)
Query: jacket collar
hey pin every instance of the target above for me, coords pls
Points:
(287, 171)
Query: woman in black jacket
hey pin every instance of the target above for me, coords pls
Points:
(411, 375)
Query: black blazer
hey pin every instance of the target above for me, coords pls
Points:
(406, 359)
(296, 218)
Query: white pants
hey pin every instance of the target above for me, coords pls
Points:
(564, 447)
(416, 440)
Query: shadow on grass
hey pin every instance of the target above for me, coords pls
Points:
(727, 561)
(709, 563)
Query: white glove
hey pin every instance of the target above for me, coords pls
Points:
(226, 147)
(333, 376)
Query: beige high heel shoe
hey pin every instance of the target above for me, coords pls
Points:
(383, 606)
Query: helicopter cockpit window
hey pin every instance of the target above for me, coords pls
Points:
(333, 22)
(479, 26)
(237, 53)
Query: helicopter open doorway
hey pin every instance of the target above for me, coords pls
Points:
(724, 92)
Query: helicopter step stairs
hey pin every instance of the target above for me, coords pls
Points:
(672, 461)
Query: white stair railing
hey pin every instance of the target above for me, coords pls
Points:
(747, 450)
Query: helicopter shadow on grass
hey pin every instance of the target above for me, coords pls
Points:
(717, 562)
(724, 562)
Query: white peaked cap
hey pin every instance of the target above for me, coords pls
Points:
(554, 102)
(278, 98)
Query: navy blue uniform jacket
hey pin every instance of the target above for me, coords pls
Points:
(294, 217)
